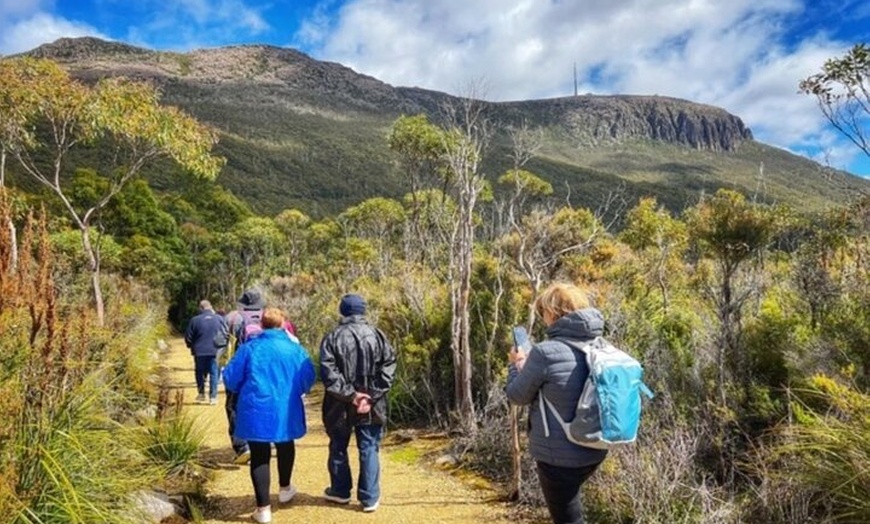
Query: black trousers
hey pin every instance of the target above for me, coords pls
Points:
(561, 488)
(239, 445)
(261, 453)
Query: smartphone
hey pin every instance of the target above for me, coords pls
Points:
(521, 339)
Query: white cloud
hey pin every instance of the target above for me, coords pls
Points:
(204, 19)
(39, 29)
(10, 8)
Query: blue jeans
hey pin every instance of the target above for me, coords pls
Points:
(368, 440)
(206, 366)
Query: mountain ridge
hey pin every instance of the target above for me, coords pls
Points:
(311, 134)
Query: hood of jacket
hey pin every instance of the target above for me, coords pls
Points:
(582, 324)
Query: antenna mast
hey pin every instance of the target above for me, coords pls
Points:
(575, 78)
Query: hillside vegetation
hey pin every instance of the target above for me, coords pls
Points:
(299, 133)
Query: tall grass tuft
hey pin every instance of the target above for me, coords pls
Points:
(817, 467)
(65, 454)
(79, 465)
(173, 444)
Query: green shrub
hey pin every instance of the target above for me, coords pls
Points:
(818, 462)
(173, 444)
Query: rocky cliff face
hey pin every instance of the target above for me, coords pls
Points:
(290, 80)
(593, 119)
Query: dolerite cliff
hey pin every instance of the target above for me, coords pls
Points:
(592, 119)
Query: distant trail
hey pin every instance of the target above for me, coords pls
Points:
(411, 493)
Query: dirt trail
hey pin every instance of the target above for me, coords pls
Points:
(412, 492)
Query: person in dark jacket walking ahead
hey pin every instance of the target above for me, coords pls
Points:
(357, 366)
(556, 370)
(206, 337)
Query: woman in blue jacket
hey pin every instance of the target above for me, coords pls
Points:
(270, 373)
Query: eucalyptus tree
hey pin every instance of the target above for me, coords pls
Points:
(452, 153)
(294, 224)
(734, 234)
(842, 91)
(660, 240)
(418, 144)
(53, 114)
(378, 221)
(254, 246)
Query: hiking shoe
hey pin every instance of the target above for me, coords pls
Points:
(243, 458)
(330, 495)
(286, 494)
(262, 515)
(371, 507)
(200, 398)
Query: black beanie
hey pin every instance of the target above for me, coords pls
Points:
(352, 305)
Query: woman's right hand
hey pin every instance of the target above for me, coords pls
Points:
(517, 358)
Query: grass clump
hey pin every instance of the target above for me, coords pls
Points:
(817, 467)
(173, 444)
(68, 453)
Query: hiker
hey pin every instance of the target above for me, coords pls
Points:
(269, 374)
(357, 366)
(243, 323)
(205, 336)
(554, 369)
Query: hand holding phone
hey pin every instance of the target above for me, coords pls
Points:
(521, 339)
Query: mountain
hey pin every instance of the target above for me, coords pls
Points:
(303, 133)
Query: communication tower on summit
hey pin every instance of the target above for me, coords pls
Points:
(575, 78)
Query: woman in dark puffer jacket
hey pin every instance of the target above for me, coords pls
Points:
(559, 372)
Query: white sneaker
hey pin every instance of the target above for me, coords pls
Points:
(330, 496)
(372, 507)
(262, 515)
(286, 494)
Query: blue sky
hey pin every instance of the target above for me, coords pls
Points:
(746, 56)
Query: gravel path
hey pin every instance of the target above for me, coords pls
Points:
(412, 491)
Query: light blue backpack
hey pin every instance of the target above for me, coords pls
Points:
(608, 411)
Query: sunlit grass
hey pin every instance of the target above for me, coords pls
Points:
(78, 466)
(173, 444)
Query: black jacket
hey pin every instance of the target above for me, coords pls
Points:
(355, 357)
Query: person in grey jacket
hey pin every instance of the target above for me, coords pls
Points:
(206, 337)
(357, 367)
(554, 369)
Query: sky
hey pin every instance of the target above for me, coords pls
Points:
(745, 56)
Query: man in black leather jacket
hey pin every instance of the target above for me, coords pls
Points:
(357, 366)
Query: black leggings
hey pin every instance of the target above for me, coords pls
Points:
(261, 453)
(561, 487)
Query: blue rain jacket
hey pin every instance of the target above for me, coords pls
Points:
(270, 373)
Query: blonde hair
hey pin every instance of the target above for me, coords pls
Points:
(272, 318)
(560, 298)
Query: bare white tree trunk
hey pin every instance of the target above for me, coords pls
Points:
(13, 238)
